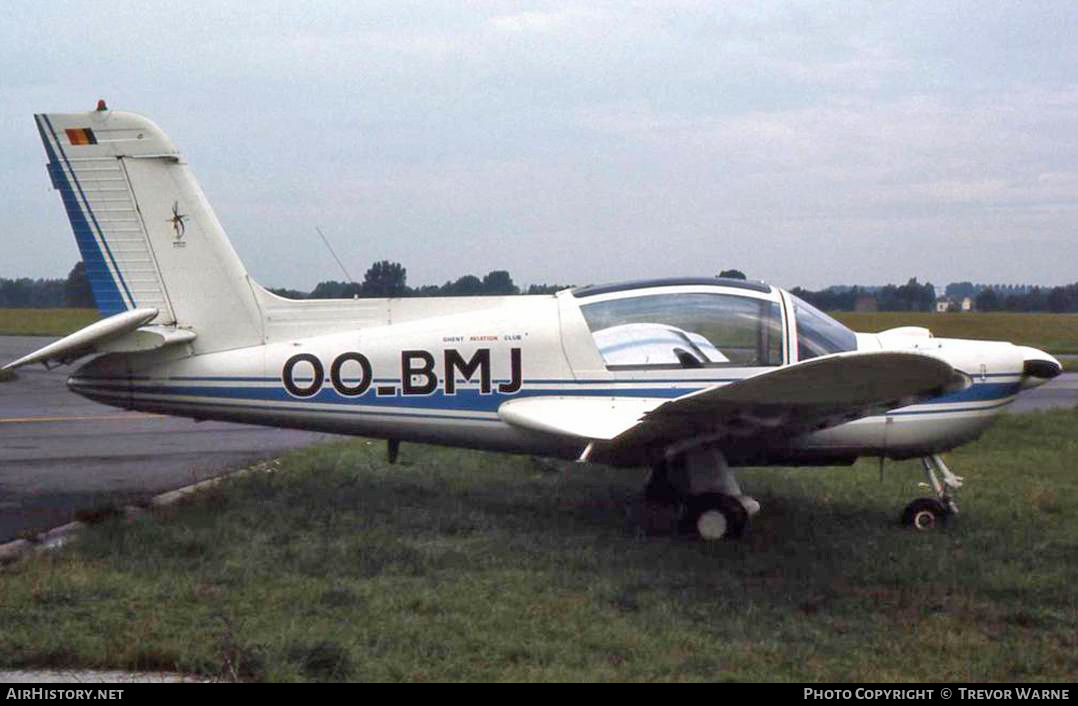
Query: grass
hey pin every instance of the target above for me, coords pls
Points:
(456, 565)
(1055, 333)
(44, 322)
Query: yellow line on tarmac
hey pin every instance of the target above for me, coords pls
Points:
(110, 417)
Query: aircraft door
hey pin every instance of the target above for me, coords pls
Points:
(576, 342)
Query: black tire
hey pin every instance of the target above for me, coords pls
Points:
(659, 489)
(925, 514)
(737, 518)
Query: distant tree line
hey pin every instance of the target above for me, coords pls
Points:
(27, 293)
(921, 297)
(1051, 299)
(969, 289)
(382, 279)
(390, 279)
(911, 296)
(1017, 297)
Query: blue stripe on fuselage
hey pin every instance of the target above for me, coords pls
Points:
(980, 392)
(465, 399)
(472, 400)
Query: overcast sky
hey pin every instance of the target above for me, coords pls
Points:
(804, 143)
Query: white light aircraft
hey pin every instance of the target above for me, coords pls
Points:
(691, 377)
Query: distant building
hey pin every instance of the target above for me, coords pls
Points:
(944, 304)
(865, 302)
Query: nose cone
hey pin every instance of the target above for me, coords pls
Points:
(1039, 367)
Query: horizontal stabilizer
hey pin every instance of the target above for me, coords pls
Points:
(121, 333)
(147, 338)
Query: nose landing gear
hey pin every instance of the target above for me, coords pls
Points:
(929, 513)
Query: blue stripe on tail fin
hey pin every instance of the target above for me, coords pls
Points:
(105, 290)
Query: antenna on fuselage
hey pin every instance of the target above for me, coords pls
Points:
(334, 254)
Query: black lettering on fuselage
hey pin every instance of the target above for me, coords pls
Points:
(480, 362)
(516, 374)
(424, 370)
(288, 375)
(339, 384)
(418, 376)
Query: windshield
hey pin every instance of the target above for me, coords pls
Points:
(818, 334)
(686, 330)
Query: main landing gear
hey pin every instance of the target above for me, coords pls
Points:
(929, 513)
(704, 490)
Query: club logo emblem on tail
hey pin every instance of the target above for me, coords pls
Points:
(177, 222)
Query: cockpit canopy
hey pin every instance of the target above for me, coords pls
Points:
(703, 324)
(817, 333)
(686, 329)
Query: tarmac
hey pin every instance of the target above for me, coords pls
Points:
(60, 453)
(77, 676)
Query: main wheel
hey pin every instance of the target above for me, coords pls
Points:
(925, 514)
(659, 489)
(712, 516)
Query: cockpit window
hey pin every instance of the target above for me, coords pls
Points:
(818, 334)
(693, 330)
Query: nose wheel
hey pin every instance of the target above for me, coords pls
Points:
(929, 513)
(925, 514)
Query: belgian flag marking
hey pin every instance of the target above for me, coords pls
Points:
(81, 136)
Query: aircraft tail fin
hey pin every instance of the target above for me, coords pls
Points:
(147, 234)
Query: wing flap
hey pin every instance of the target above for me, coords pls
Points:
(584, 417)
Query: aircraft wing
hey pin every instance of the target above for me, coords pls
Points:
(783, 402)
